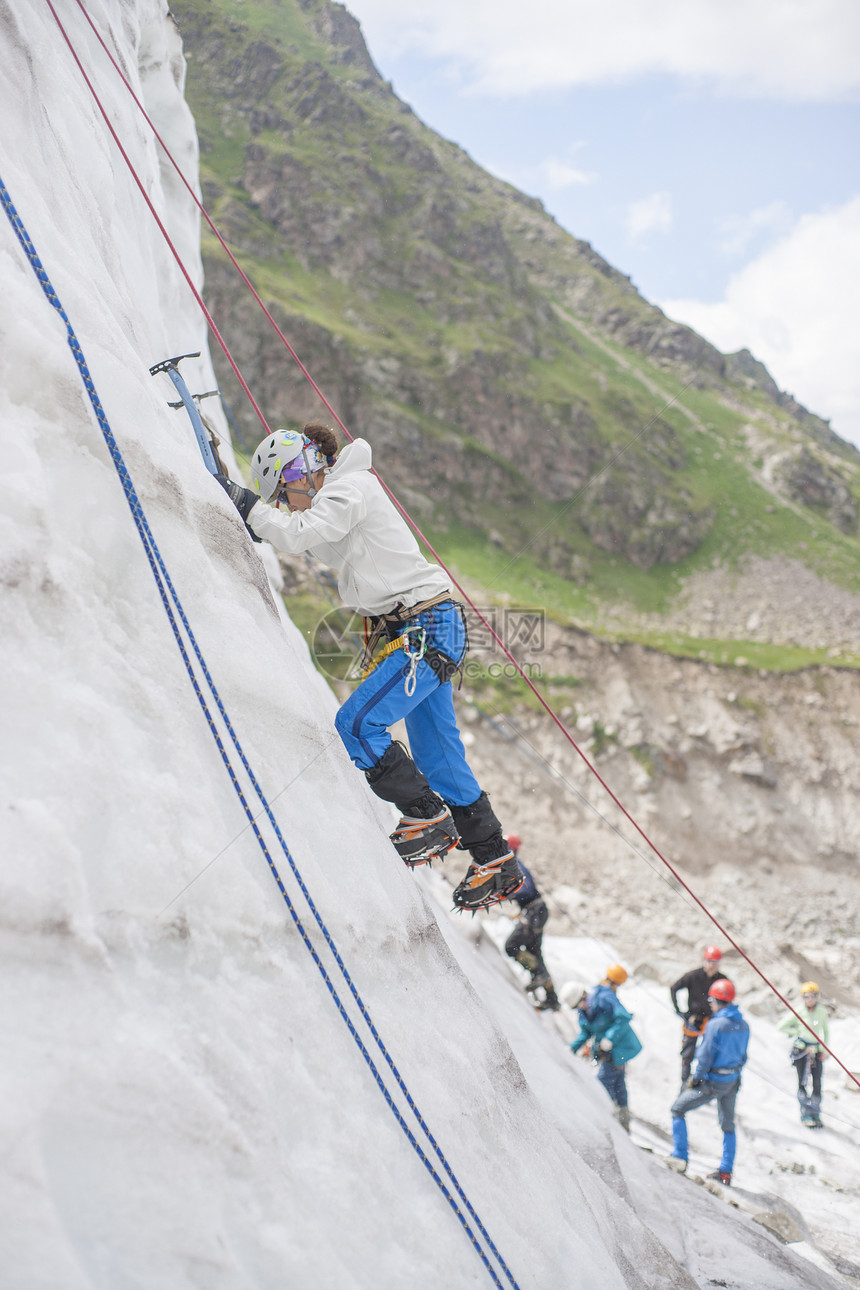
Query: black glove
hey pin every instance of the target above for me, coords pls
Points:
(242, 498)
(696, 1083)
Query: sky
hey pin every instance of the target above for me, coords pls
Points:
(710, 150)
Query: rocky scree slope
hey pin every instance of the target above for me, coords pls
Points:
(748, 783)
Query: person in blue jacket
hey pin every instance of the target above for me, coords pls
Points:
(525, 942)
(605, 1023)
(719, 1061)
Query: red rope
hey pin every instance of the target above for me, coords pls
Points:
(557, 720)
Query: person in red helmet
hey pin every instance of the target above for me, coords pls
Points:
(719, 1061)
(695, 1015)
(525, 942)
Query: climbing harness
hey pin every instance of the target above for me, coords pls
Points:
(176, 615)
(293, 354)
(413, 642)
(379, 657)
(415, 650)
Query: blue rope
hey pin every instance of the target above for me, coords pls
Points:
(165, 586)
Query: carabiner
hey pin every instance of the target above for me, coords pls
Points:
(415, 656)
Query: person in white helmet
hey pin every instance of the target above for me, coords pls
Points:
(807, 1054)
(338, 511)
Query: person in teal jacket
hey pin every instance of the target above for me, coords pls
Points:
(604, 1022)
(807, 1053)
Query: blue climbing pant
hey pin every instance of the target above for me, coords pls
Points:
(612, 1079)
(690, 1100)
(431, 724)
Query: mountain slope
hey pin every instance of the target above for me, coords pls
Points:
(523, 398)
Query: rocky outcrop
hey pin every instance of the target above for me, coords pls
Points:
(626, 513)
(811, 482)
(748, 371)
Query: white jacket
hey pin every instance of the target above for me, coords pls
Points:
(353, 526)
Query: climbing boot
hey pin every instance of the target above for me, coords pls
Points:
(550, 1003)
(490, 879)
(426, 832)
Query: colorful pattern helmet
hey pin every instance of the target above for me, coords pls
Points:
(712, 954)
(616, 974)
(722, 990)
(284, 456)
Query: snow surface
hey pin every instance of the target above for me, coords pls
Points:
(182, 1104)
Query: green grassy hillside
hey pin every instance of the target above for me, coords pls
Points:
(558, 438)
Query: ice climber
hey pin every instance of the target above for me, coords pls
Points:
(525, 942)
(719, 1061)
(339, 512)
(605, 1023)
(807, 1054)
(697, 1012)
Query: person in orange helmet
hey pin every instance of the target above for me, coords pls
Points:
(807, 1053)
(605, 1022)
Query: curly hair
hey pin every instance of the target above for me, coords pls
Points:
(324, 437)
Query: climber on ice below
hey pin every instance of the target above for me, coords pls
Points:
(339, 512)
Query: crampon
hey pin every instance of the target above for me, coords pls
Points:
(489, 884)
(420, 842)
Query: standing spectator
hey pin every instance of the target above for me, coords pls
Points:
(525, 941)
(695, 1015)
(720, 1060)
(605, 1022)
(807, 1054)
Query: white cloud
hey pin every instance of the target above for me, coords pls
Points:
(561, 174)
(791, 49)
(737, 231)
(651, 214)
(796, 308)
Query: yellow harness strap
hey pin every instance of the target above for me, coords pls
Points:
(383, 653)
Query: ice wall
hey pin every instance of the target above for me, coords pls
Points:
(182, 1104)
